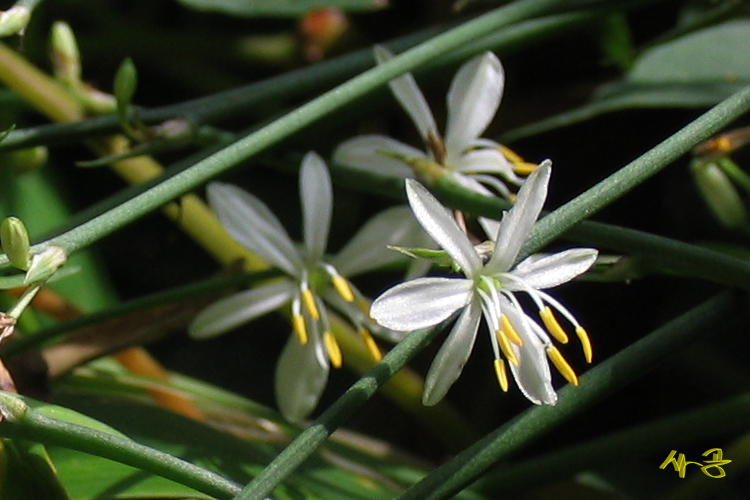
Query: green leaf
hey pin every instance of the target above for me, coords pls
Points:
(697, 70)
(280, 8)
(28, 472)
(345, 469)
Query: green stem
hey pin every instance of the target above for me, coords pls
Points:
(131, 210)
(191, 291)
(20, 421)
(639, 170)
(298, 83)
(314, 436)
(654, 253)
(660, 436)
(735, 172)
(616, 372)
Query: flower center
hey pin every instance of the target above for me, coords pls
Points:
(309, 310)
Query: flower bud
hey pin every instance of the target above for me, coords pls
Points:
(66, 59)
(44, 264)
(720, 194)
(321, 29)
(15, 242)
(126, 81)
(14, 20)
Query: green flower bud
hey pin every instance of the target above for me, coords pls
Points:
(15, 242)
(126, 81)
(66, 59)
(14, 20)
(720, 194)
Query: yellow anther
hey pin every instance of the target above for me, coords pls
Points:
(342, 286)
(724, 144)
(298, 325)
(334, 351)
(553, 326)
(502, 374)
(372, 346)
(505, 347)
(562, 366)
(509, 154)
(585, 343)
(524, 168)
(309, 300)
(510, 331)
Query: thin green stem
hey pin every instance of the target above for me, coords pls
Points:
(131, 210)
(639, 170)
(616, 372)
(314, 436)
(191, 291)
(299, 83)
(653, 253)
(735, 172)
(22, 421)
(718, 419)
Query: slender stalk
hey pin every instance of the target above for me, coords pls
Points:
(314, 436)
(665, 434)
(637, 171)
(245, 148)
(299, 83)
(600, 381)
(21, 421)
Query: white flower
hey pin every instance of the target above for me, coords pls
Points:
(473, 100)
(490, 290)
(302, 369)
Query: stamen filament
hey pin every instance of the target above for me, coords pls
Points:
(333, 349)
(309, 301)
(298, 325)
(343, 288)
(552, 325)
(505, 347)
(502, 374)
(585, 343)
(510, 331)
(363, 306)
(372, 346)
(562, 365)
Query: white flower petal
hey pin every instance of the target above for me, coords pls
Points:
(368, 250)
(471, 184)
(301, 377)
(489, 161)
(547, 271)
(407, 93)
(229, 313)
(518, 221)
(439, 224)
(452, 356)
(317, 204)
(533, 374)
(490, 226)
(365, 152)
(420, 303)
(473, 100)
(249, 221)
(221, 194)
